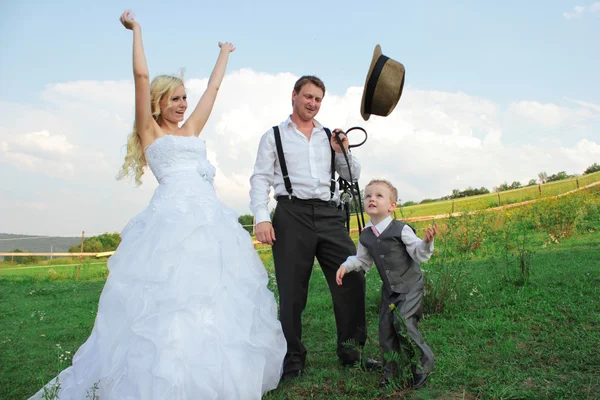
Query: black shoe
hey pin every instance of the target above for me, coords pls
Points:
(369, 364)
(290, 375)
(419, 379)
(385, 382)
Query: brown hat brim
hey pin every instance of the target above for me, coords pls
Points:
(383, 85)
(376, 54)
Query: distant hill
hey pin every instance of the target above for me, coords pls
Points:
(36, 244)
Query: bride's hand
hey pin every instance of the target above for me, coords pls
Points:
(226, 46)
(128, 21)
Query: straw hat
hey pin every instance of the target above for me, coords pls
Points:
(383, 86)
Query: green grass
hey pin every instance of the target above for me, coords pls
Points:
(491, 200)
(93, 269)
(35, 316)
(50, 262)
(496, 341)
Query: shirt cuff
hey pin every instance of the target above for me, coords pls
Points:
(262, 216)
(350, 265)
(341, 156)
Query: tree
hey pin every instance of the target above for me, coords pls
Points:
(98, 244)
(532, 182)
(558, 177)
(502, 188)
(515, 185)
(109, 241)
(21, 259)
(543, 177)
(248, 221)
(592, 168)
(15, 259)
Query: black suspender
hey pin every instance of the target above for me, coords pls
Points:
(332, 187)
(284, 171)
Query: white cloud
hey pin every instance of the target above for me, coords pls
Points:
(549, 115)
(584, 103)
(43, 143)
(61, 157)
(48, 154)
(578, 11)
(38, 152)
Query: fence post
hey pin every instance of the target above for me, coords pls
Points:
(452, 206)
(540, 189)
(80, 256)
(577, 180)
(499, 204)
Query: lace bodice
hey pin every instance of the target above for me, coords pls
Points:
(184, 174)
(170, 155)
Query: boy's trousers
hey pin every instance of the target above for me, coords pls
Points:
(391, 334)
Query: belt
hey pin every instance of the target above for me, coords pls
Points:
(312, 202)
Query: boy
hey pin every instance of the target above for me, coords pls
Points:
(396, 251)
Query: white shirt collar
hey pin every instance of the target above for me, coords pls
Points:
(381, 226)
(289, 122)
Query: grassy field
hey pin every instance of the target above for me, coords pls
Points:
(496, 331)
(512, 312)
(501, 341)
(493, 199)
(94, 269)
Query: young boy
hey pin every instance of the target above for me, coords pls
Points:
(396, 251)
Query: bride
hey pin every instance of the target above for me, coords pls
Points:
(185, 312)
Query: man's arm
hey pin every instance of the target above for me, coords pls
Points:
(342, 167)
(262, 178)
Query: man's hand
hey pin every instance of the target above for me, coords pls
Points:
(265, 233)
(334, 143)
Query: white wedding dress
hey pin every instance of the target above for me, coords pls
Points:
(185, 312)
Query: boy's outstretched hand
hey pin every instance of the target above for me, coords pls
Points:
(340, 275)
(429, 234)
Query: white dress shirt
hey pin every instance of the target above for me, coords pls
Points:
(418, 249)
(308, 163)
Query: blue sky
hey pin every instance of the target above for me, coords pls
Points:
(495, 91)
(501, 50)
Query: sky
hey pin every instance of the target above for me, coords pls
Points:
(495, 92)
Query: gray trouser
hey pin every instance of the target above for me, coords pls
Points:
(391, 334)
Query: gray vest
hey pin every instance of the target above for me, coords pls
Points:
(398, 271)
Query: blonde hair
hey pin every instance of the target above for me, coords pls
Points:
(393, 190)
(135, 160)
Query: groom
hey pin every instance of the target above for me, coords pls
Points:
(297, 159)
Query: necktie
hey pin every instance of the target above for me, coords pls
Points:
(375, 231)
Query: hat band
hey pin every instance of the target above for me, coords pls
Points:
(372, 84)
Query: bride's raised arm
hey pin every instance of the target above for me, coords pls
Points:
(141, 77)
(200, 115)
